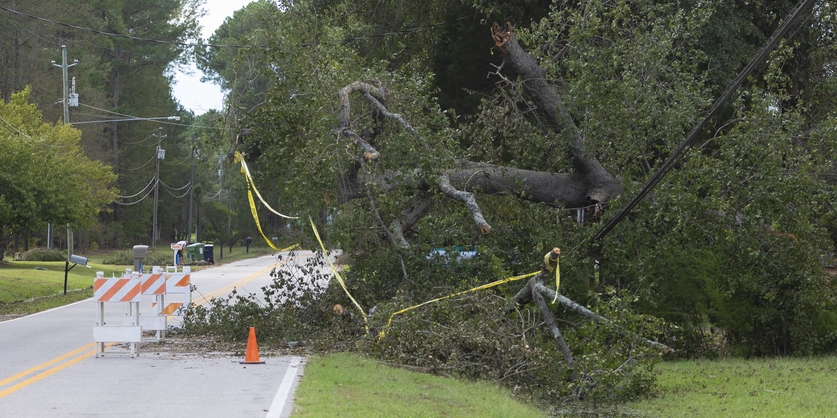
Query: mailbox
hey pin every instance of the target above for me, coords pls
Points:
(140, 253)
(247, 242)
(77, 259)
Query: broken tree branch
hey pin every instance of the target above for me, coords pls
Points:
(556, 333)
(345, 114)
(567, 302)
(468, 199)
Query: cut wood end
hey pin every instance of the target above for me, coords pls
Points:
(485, 229)
(371, 155)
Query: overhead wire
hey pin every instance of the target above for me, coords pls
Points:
(138, 201)
(142, 166)
(138, 193)
(181, 196)
(177, 189)
(148, 120)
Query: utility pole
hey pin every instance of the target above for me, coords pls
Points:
(191, 189)
(66, 102)
(65, 85)
(161, 154)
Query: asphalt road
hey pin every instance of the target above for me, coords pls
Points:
(48, 366)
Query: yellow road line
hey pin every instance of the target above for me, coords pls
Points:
(51, 371)
(39, 367)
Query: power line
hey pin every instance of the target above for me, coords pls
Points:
(181, 196)
(142, 166)
(138, 193)
(176, 189)
(134, 203)
(150, 120)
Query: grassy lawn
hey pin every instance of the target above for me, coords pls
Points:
(776, 387)
(32, 286)
(346, 385)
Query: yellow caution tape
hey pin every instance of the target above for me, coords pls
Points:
(483, 287)
(259, 225)
(337, 274)
(250, 183)
(249, 180)
(548, 266)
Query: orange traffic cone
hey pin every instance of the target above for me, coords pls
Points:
(252, 355)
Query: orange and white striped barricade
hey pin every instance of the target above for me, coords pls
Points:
(179, 288)
(126, 290)
(154, 285)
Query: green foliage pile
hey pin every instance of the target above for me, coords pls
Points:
(286, 310)
(41, 254)
(480, 336)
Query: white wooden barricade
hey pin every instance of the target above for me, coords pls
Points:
(180, 284)
(126, 290)
(171, 295)
(154, 285)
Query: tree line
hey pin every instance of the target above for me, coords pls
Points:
(125, 55)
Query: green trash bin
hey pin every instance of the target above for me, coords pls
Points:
(194, 251)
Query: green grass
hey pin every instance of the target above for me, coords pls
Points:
(776, 387)
(26, 289)
(346, 385)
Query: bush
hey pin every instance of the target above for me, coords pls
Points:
(41, 254)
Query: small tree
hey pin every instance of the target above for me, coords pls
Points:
(45, 177)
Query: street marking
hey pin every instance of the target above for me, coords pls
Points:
(281, 398)
(39, 367)
(49, 372)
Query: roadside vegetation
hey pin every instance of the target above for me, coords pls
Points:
(404, 130)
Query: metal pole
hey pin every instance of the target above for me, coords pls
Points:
(69, 241)
(156, 192)
(64, 84)
(191, 188)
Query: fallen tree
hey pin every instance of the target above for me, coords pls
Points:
(588, 186)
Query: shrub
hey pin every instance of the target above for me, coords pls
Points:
(41, 254)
